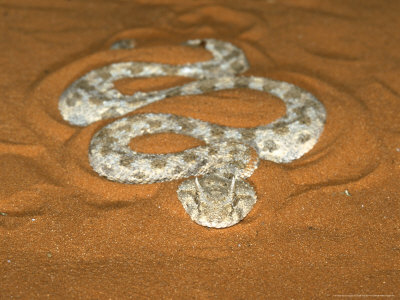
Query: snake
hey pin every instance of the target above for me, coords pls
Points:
(215, 191)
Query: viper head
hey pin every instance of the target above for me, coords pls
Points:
(216, 203)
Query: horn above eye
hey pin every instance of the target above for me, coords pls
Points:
(200, 191)
(231, 191)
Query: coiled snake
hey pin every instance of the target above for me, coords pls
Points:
(215, 193)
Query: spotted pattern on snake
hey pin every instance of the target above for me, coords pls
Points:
(93, 97)
(215, 192)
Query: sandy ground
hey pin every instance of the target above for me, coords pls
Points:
(325, 225)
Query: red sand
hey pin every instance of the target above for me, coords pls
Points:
(67, 233)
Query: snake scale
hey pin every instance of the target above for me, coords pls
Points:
(215, 192)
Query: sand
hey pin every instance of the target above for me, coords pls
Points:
(325, 225)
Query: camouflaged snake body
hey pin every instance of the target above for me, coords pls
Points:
(218, 195)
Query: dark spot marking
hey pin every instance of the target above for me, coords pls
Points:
(136, 68)
(126, 161)
(189, 157)
(72, 99)
(104, 74)
(217, 132)
(303, 138)
(174, 92)
(185, 124)
(281, 128)
(238, 164)
(139, 175)
(294, 92)
(84, 85)
(106, 169)
(219, 47)
(169, 70)
(242, 82)
(311, 103)
(105, 150)
(158, 163)
(178, 170)
(270, 145)
(124, 127)
(302, 116)
(234, 152)
(110, 113)
(212, 151)
(96, 101)
(248, 134)
(305, 120)
(237, 66)
(105, 136)
(235, 53)
(206, 85)
(154, 124)
(269, 86)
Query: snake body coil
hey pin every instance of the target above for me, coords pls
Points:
(218, 195)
